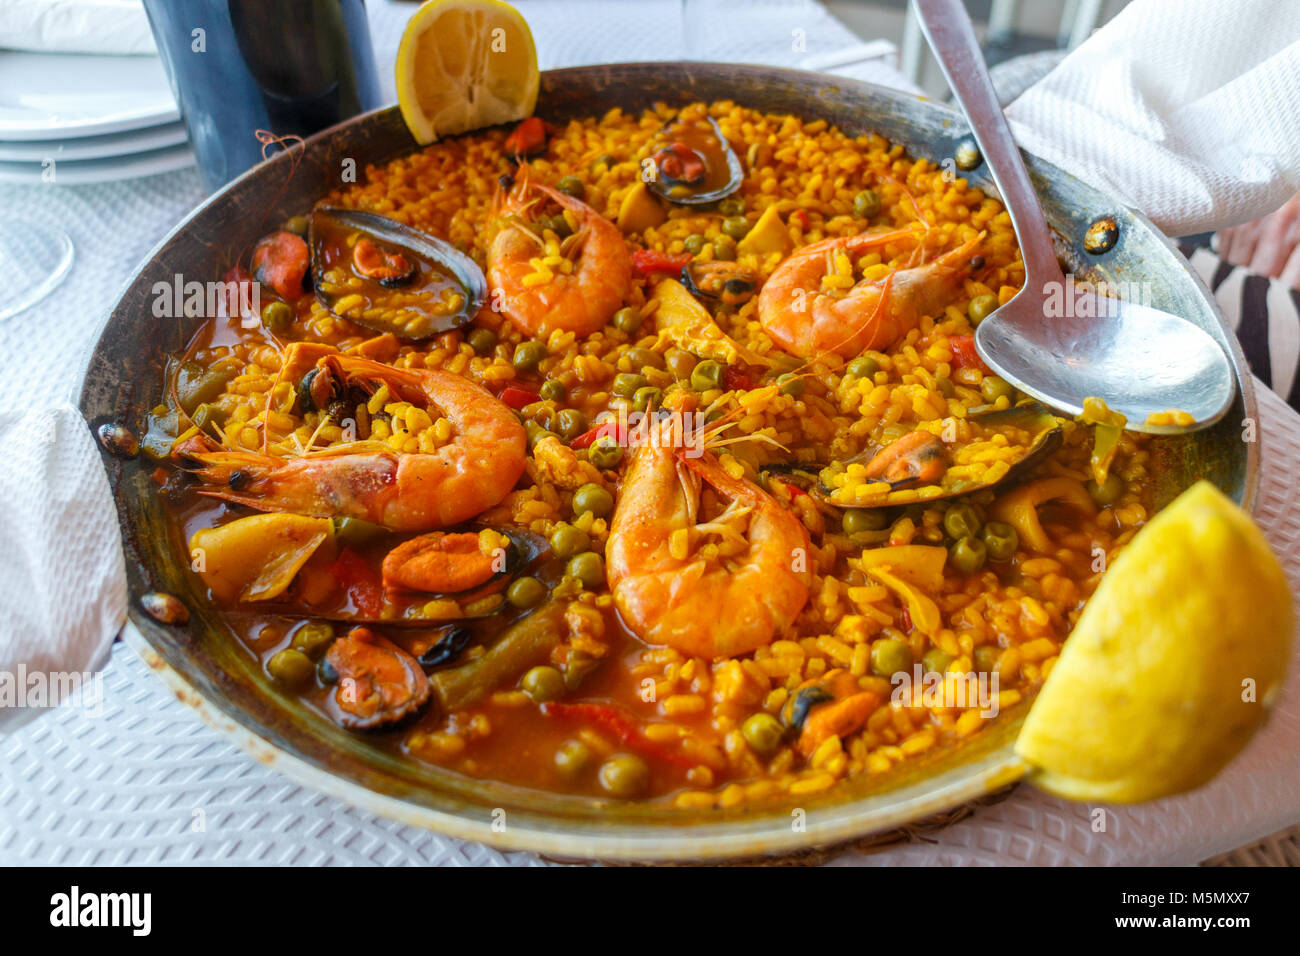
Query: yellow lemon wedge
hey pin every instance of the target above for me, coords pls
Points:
(1172, 664)
(465, 64)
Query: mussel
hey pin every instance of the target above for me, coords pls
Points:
(912, 467)
(694, 165)
(376, 683)
(723, 282)
(389, 277)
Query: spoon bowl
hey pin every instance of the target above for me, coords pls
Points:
(1141, 360)
(1055, 340)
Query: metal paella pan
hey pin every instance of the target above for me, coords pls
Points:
(209, 670)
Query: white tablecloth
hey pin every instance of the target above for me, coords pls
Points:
(144, 781)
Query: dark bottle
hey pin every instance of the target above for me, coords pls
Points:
(286, 67)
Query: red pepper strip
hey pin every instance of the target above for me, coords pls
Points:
(517, 398)
(529, 137)
(964, 354)
(361, 582)
(906, 622)
(736, 379)
(649, 262)
(623, 726)
(586, 439)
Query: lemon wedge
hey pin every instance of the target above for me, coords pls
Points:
(465, 64)
(1172, 664)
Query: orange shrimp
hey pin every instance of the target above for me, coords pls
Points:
(590, 270)
(874, 314)
(474, 471)
(677, 600)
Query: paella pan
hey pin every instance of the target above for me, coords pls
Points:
(557, 507)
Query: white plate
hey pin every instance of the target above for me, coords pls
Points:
(66, 95)
(93, 147)
(79, 172)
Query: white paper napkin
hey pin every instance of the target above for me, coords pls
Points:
(62, 579)
(1187, 109)
(75, 26)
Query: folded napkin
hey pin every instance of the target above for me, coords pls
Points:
(75, 26)
(62, 577)
(1186, 109)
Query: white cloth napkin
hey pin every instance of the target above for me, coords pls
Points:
(75, 26)
(60, 563)
(1187, 109)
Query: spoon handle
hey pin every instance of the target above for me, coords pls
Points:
(952, 38)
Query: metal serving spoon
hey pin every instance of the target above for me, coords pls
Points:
(1055, 341)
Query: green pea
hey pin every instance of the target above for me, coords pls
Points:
(640, 358)
(967, 555)
(605, 452)
(680, 362)
(1109, 493)
(290, 667)
(980, 307)
(543, 684)
(986, 657)
(566, 541)
(695, 244)
(571, 186)
(592, 497)
(736, 227)
(298, 225)
(859, 520)
(276, 316)
(866, 204)
(706, 375)
(763, 733)
(732, 207)
(312, 638)
(627, 383)
(553, 390)
(572, 757)
(627, 319)
(647, 398)
(790, 384)
(606, 160)
(559, 225)
(993, 388)
(588, 567)
(1000, 541)
(625, 775)
(525, 592)
(889, 655)
(961, 521)
(535, 433)
(570, 423)
(864, 366)
(528, 355)
(945, 387)
(482, 341)
(936, 660)
(724, 249)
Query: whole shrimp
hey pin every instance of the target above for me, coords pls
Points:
(668, 594)
(806, 321)
(576, 286)
(475, 470)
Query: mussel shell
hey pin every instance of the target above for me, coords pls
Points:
(736, 290)
(662, 186)
(1031, 417)
(417, 246)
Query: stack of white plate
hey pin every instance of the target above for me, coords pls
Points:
(71, 119)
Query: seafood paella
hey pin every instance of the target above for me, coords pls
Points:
(643, 457)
